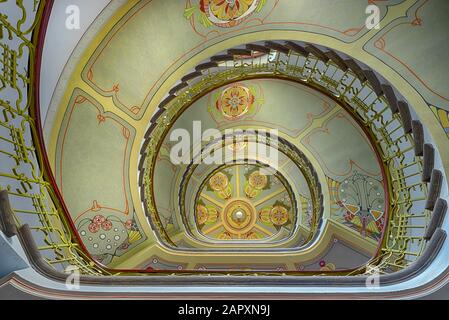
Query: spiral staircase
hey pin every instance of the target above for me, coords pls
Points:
(353, 206)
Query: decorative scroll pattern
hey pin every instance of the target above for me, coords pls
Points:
(224, 14)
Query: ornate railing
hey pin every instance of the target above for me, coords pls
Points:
(285, 147)
(398, 139)
(22, 171)
(26, 176)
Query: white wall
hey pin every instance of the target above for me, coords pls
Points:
(60, 42)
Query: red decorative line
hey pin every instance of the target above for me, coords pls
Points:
(351, 32)
(381, 45)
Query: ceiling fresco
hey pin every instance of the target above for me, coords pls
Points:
(238, 203)
(418, 25)
(122, 76)
(241, 202)
(260, 147)
(264, 191)
(105, 219)
(192, 26)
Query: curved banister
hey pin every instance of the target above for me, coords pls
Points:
(332, 55)
(354, 66)
(406, 117)
(222, 57)
(191, 76)
(276, 46)
(418, 135)
(258, 48)
(438, 214)
(41, 266)
(297, 48)
(206, 65)
(391, 97)
(428, 162)
(436, 181)
(9, 217)
(7, 223)
(434, 233)
(374, 81)
(401, 123)
(239, 52)
(310, 48)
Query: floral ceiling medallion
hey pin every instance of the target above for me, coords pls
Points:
(240, 202)
(235, 101)
(224, 13)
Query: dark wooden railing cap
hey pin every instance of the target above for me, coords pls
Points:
(336, 59)
(257, 47)
(206, 65)
(277, 46)
(355, 68)
(296, 48)
(391, 97)
(317, 53)
(240, 52)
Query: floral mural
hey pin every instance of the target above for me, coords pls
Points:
(223, 13)
(106, 235)
(219, 183)
(255, 183)
(235, 102)
(359, 202)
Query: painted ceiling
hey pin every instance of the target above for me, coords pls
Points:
(117, 80)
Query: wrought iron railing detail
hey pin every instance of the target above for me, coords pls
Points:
(370, 104)
(35, 200)
(285, 147)
(22, 173)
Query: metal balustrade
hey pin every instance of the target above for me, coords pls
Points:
(387, 120)
(32, 197)
(44, 226)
